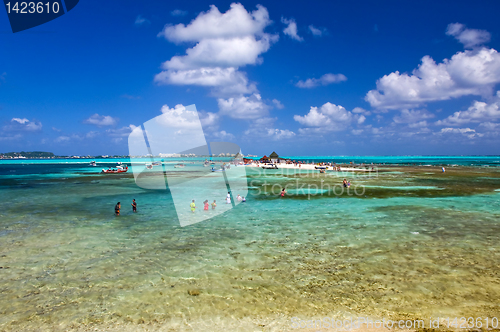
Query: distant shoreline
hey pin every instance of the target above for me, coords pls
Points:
(349, 161)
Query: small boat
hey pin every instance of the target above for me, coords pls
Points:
(217, 170)
(320, 167)
(179, 166)
(119, 169)
(92, 163)
(156, 163)
(270, 167)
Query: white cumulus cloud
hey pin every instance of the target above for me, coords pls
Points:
(329, 117)
(20, 121)
(223, 44)
(225, 80)
(101, 120)
(180, 117)
(412, 116)
(470, 133)
(121, 132)
(291, 29)
(243, 107)
(490, 126)
(23, 124)
(468, 37)
(315, 31)
(359, 110)
(209, 119)
(278, 104)
(222, 52)
(278, 134)
(323, 80)
(478, 112)
(234, 23)
(472, 72)
(222, 135)
(264, 129)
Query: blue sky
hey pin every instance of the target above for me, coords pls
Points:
(320, 78)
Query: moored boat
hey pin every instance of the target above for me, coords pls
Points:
(118, 169)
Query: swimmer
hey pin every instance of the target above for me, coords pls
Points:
(348, 184)
(228, 198)
(283, 192)
(243, 199)
(193, 206)
(134, 205)
(238, 198)
(117, 208)
(205, 205)
(344, 183)
(214, 205)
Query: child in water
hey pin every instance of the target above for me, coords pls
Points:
(214, 205)
(205, 205)
(193, 206)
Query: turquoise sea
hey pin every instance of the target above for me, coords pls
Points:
(406, 241)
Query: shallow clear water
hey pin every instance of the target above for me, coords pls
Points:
(401, 249)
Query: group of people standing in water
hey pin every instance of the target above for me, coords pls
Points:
(118, 206)
(206, 205)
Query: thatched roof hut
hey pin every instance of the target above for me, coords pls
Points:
(273, 155)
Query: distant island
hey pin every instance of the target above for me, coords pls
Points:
(23, 155)
(50, 155)
(47, 155)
